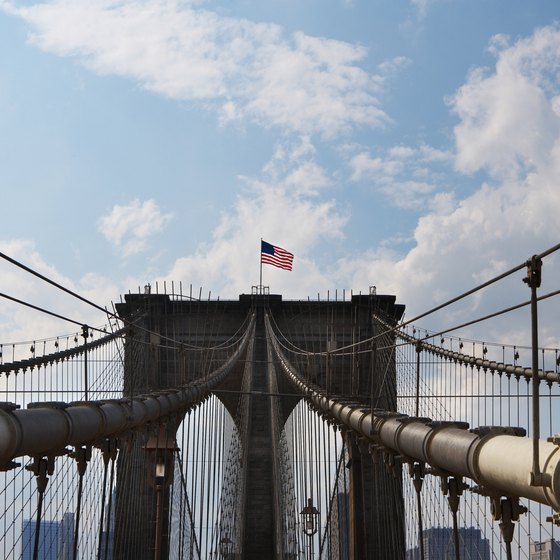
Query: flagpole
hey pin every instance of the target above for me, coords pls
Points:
(260, 276)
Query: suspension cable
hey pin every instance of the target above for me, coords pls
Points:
(55, 284)
(104, 310)
(42, 310)
(290, 346)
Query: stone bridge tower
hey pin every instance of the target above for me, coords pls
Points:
(150, 365)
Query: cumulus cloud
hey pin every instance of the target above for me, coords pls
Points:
(394, 65)
(286, 207)
(246, 70)
(128, 227)
(407, 176)
(459, 241)
(23, 324)
(507, 126)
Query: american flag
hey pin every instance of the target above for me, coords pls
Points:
(276, 256)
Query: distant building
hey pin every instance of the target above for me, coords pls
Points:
(108, 534)
(412, 554)
(472, 545)
(56, 539)
(66, 537)
(439, 544)
(547, 550)
(48, 540)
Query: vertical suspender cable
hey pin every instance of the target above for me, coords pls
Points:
(418, 352)
(103, 496)
(181, 491)
(196, 479)
(110, 532)
(39, 468)
(533, 280)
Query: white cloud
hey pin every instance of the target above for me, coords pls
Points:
(23, 324)
(507, 126)
(405, 175)
(248, 70)
(129, 227)
(394, 65)
(283, 208)
(365, 166)
(402, 152)
(407, 194)
(421, 6)
(498, 43)
(308, 179)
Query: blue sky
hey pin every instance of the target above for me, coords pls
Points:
(412, 145)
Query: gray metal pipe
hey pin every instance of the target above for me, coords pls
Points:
(505, 462)
(48, 428)
(450, 449)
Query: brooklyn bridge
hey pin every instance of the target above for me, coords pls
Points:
(264, 428)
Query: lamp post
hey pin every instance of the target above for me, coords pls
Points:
(160, 481)
(160, 450)
(160, 471)
(310, 516)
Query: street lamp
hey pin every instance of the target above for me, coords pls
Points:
(160, 448)
(160, 471)
(310, 518)
(160, 481)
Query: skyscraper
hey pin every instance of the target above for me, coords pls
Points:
(66, 537)
(546, 550)
(439, 544)
(55, 539)
(48, 540)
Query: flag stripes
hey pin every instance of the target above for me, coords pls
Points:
(276, 256)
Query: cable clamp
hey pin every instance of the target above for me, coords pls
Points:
(9, 406)
(483, 431)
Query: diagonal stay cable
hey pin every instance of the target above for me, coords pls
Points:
(46, 311)
(491, 315)
(104, 310)
(55, 284)
(480, 286)
(466, 324)
(408, 339)
(453, 300)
